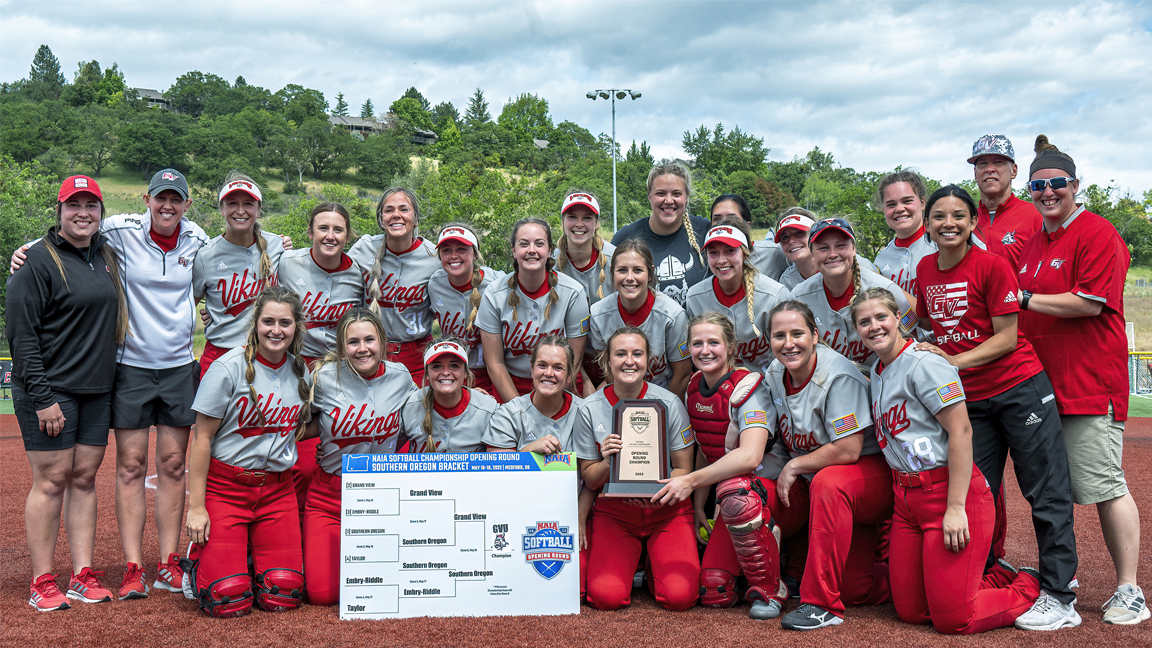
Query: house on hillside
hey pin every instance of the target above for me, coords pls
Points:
(153, 98)
(356, 124)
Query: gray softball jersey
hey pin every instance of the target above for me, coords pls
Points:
(753, 349)
(325, 296)
(757, 411)
(899, 263)
(906, 396)
(836, 327)
(227, 277)
(518, 423)
(666, 327)
(590, 278)
(358, 416)
(568, 318)
(832, 405)
(463, 432)
(404, 305)
(451, 307)
(595, 422)
(791, 277)
(769, 259)
(242, 439)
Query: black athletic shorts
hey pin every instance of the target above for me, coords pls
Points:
(147, 397)
(87, 418)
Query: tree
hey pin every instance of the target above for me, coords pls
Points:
(302, 104)
(28, 129)
(98, 137)
(152, 141)
(411, 114)
(367, 111)
(382, 157)
(725, 152)
(111, 84)
(413, 93)
(27, 193)
(341, 106)
(219, 144)
(477, 112)
(194, 90)
(443, 114)
(571, 143)
(44, 79)
(85, 87)
(527, 116)
(641, 155)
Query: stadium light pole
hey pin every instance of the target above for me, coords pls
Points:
(613, 94)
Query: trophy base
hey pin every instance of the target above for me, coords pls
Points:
(626, 490)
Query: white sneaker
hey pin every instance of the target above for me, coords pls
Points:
(1048, 613)
(1126, 607)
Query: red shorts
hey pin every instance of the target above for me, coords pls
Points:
(211, 352)
(411, 355)
(483, 381)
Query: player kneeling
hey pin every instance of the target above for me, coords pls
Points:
(250, 405)
(942, 526)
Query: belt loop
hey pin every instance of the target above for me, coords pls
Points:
(926, 480)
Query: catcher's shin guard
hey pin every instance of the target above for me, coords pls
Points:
(278, 590)
(226, 597)
(756, 539)
(717, 588)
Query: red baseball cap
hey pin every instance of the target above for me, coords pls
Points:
(587, 200)
(79, 184)
(445, 347)
(795, 221)
(458, 234)
(249, 188)
(727, 235)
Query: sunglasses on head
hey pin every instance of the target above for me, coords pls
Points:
(1055, 183)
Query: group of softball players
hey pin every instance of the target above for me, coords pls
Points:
(837, 429)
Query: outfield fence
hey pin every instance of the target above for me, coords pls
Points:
(1139, 372)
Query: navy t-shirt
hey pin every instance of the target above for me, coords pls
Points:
(677, 263)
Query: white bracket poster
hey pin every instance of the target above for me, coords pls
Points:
(469, 534)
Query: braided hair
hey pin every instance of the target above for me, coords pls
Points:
(477, 273)
(279, 295)
(597, 245)
(265, 269)
(429, 400)
(678, 169)
(549, 264)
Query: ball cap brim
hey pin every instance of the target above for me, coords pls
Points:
(797, 222)
(445, 347)
(78, 185)
(726, 235)
(838, 224)
(581, 199)
(243, 186)
(456, 234)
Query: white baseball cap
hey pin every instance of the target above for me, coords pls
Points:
(249, 188)
(727, 235)
(459, 234)
(795, 221)
(587, 200)
(445, 347)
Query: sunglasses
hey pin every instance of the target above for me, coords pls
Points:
(1055, 183)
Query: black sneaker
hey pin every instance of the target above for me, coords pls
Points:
(793, 587)
(809, 617)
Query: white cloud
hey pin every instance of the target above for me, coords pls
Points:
(876, 84)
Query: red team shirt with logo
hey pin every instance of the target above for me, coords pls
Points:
(1005, 235)
(1086, 357)
(961, 303)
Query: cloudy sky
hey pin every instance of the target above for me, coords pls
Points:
(877, 84)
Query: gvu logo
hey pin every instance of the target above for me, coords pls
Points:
(548, 547)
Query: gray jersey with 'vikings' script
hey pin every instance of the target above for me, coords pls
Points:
(518, 423)
(906, 396)
(325, 296)
(666, 327)
(227, 277)
(452, 308)
(753, 349)
(358, 416)
(259, 435)
(461, 430)
(832, 405)
(590, 276)
(403, 280)
(596, 422)
(769, 259)
(791, 277)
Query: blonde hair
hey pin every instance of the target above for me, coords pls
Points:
(677, 168)
(748, 270)
(857, 285)
(265, 269)
(882, 295)
(727, 333)
(549, 264)
(112, 261)
(477, 278)
(637, 246)
(597, 244)
(374, 291)
(429, 400)
(279, 295)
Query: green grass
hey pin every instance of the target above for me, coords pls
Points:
(6, 404)
(1140, 406)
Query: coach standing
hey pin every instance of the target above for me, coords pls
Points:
(66, 313)
(1005, 222)
(1072, 310)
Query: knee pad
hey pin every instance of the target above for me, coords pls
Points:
(717, 588)
(755, 539)
(226, 597)
(278, 590)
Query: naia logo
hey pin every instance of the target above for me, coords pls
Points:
(565, 459)
(548, 547)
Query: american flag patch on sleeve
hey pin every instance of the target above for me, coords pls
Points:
(845, 424)
(756, 417)
(908, 322)
(688, 435)
(585, 326)
(950, 392)
(684, 350)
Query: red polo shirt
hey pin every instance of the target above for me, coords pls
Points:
(1005, 235)
(1086, 357)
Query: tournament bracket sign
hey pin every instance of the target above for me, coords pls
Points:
(468, 534)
